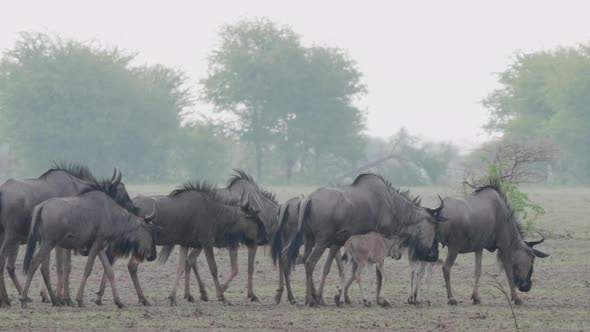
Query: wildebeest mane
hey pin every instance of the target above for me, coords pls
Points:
(194, 185)
(76, 170)
(495, 183)
(240, 175)
(119, 196)
(415, 200)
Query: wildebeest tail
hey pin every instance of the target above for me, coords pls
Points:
(277, 240)
(165, 253)
(33, 238)
(297, 240)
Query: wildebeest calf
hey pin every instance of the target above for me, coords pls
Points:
(360, 253)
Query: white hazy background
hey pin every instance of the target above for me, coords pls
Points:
(427, 64)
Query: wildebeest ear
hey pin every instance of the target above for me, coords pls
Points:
(540, 254)
(153, 228)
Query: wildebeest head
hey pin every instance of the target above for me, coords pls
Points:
(523, 259)
(421, 235)
(143, 241)
(395, 247)
(251, 226)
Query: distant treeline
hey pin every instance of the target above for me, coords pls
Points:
(290, 113)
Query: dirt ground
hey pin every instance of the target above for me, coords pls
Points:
(559, 299)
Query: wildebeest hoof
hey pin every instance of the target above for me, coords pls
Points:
(204, 296)
(145, 302)
(347, 300)
(367, 304)
(385, 304)
(292, 301)
(67, 302)
(452, 302)
(120, 305)
(189, 298)
(98, 301)
(337, 300)
(278, 296)
(253, 298)
(23, 304)
(44, 297)
(476, 300)
(172, 300)
(80, 303)
(518, 301)
(320, 300)
(411, 300)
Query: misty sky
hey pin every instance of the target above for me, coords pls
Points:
(427, 65)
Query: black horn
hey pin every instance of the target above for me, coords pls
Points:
(437, 210)
(151, 216)
(117, 180)
(114, 175)
(534, 243)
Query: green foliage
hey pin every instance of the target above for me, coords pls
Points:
(289, 101)
(69, 100)
(545, 95)
(526, 210)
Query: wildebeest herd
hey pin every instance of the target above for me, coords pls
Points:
(67, 209)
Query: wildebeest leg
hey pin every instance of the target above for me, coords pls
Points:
(8, 244)
(369, 299)
(287, 275)
(87, 270)
(380, 273)
(327, 266)
(132, 267)
(67, 257)
(59, 266)
(345, 280)
(310, 263)
(179, 272)
(507, 263)
(187, 278)
(10, 267)
(251, 261)
(338, 259)
(233, 261)
(108, 269)
(102, 288)
(279, 293)
(213, 269)
(451, 256)
(41, 255)
(413, 266)
(475, 294)
(192, 260)
(47, 280)
(357, 277)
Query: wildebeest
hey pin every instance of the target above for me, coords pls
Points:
(485, 220)
(330, 215)
(287, 217)
(88, 223)
(419, 270)
(258, 199)
(361, 252)
(17, 200)
(196, 216)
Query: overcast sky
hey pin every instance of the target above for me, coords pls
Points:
(427, 64)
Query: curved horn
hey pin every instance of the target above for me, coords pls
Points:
(114, 175)
(437, 209)
(117, 180)
(534, 243)
(151, 216)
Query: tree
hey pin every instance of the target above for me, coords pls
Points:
(286, 97)
(69, 100)
(544, 95)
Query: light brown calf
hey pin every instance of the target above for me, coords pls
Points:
(360, 253)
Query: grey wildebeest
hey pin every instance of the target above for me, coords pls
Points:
(287, 217)
(330, 215)
(196, 216)
(17, 200)
(485, 220)
(361, 252)
(88, 222)
(258, 199)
